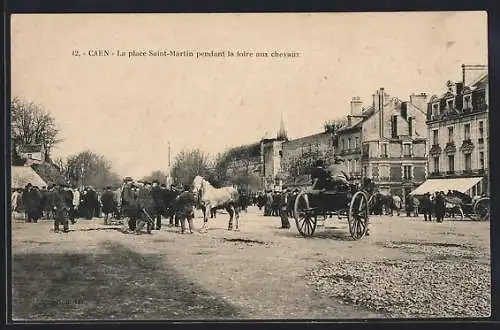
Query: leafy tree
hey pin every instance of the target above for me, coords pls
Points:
(90, 169)
(32, 124)
(188, 164)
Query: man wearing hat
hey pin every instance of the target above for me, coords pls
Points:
(159, 205)
(284, 198)
(129, 204)
(146, 208)
(319, 178)
(61, 208)
(108, 201)
(338, 172)
(184, 209)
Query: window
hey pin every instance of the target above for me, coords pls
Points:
(365, 171)
(435, 137)
(349, 166)
(450, 134)
(356, 143)
(406, 150)
(436, 164)
(349, 143)
(355, 169)
(407, 172)
(435, 109)
(481, 160)
(394, 126)
(467, 102)
(451, 163)
(467, 132)
(468, 162)
(343, 144)
(481, 130)
(449, 104)
(410, 126)
(383, 152)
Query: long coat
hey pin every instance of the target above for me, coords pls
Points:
(108, 201)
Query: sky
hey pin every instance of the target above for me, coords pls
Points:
(130, 108)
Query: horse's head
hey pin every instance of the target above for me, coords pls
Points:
(198, 184)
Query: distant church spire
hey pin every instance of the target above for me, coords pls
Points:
(282, 131)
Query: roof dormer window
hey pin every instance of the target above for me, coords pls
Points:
(467, 102)
(450, 104)
(435, 109)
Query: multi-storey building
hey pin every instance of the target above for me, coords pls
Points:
(387, 144)
(458, 139)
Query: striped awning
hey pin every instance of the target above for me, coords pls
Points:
(458, 184)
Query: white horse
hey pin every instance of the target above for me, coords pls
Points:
(210, 198)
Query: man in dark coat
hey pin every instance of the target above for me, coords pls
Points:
(284, 204)
(184, 209)
(169, 197)
(159, 204)
(108, 203)
(146, 208)
(26, 201)
(91, 203)
(427, 207)
(68, 196)
(129, 204)
(34, 206)
(61, 205)
(440, 206)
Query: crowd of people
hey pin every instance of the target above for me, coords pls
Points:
(144, 203)
(40, 203)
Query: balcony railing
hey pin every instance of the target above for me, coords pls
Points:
(450, 172)
(383, 156)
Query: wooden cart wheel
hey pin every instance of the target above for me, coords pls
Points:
(358, 215)
(482, 209)
(304, 219)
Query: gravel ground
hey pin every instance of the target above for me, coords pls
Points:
(449, 282)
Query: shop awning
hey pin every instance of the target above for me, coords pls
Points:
(433, 185)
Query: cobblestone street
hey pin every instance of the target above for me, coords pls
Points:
(405, 268)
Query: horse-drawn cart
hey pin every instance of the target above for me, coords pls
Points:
(474, 209)
(351, 203)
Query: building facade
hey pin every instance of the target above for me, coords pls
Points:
(388, 142)
(458, 134)
(32, 153)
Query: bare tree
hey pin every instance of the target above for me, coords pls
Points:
(188, 164)
(32, 124)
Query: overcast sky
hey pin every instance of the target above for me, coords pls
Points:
(129, 108)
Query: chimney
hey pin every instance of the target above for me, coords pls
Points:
(419, 101)
(381, 111)
(459, 88)
(356, 106)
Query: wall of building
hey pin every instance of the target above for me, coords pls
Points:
(458, 138)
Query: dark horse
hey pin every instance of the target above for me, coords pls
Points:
(381, 203)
